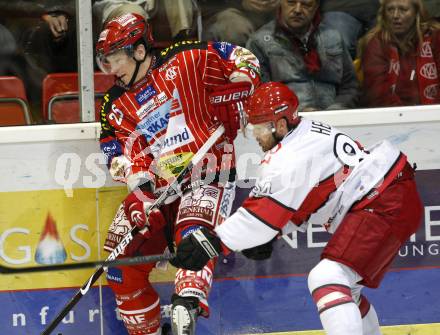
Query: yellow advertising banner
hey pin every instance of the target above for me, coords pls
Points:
(47, 227)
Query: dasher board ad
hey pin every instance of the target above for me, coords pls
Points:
(57, 201)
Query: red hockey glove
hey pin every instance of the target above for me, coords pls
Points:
(224, 105)
(136, 205)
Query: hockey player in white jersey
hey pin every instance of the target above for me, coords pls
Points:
(313, 173)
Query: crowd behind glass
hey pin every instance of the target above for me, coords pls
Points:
(335, 54)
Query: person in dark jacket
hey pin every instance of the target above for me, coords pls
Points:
(309, 57)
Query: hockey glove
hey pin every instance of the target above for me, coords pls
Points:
(196, 249)
(224, 105)
(260, 252)
(136, 208)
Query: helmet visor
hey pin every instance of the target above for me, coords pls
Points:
(261, 129)
(114, 60)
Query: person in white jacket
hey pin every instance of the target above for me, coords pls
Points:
(314, 173)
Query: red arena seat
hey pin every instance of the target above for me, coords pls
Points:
(61, 98)
(14, 107)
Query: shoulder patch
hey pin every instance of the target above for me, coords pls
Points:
(224, 49)
(177, 47)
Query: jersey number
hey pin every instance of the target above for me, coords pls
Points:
(347, 150)
(116, 115)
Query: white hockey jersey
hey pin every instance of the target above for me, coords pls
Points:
(316, 174)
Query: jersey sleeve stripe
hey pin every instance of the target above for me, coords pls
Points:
(268, 211)
(316, 199)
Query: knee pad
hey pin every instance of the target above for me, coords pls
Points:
(329, 285)
(195, 284)
(137, 301)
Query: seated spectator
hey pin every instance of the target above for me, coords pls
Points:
(45, 43)
(180, 16)
(351, 18)
(239, 20)
(308, 57)
(400, 56)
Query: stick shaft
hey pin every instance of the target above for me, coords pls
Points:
(84, 265)
(127, 238)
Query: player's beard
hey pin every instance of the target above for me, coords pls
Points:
(270, 142)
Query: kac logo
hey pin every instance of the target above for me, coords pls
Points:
(171, 73)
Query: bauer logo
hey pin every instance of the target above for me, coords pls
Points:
(145, 94)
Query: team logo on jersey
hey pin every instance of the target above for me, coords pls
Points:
(171, 73)
(223, 48)
(145, 94)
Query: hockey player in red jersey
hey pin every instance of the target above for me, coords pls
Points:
(312, 173)
(164, 108)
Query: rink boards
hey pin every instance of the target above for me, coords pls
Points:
(53, 178)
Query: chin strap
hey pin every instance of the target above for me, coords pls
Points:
(136, 70)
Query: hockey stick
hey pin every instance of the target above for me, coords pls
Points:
(76, 266)
(129, 237)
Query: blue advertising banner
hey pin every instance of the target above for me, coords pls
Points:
(256, 297)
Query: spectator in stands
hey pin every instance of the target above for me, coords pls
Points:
(401, 56)
(310, 58)
(51, 45)
(45, 43)
(180, 15)
(351, 18)
(8, 51)
(239, 20)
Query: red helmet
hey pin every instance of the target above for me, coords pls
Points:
(272, 101)
(123, 32)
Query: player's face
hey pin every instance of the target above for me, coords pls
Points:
(121, 65)
(400, 16)
(263, 133)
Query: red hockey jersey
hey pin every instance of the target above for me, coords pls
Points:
(161, 122)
